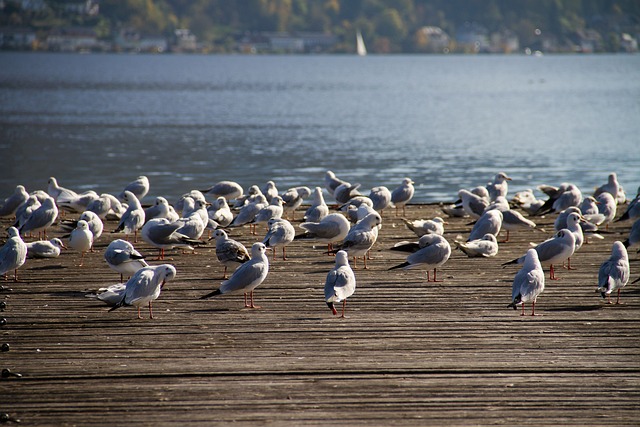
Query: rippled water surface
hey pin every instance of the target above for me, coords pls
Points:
(99, 121)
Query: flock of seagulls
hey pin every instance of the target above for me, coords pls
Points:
(350, 232)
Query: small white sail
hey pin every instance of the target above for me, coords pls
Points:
(360, 47)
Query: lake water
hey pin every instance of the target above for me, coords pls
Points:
(188, 121)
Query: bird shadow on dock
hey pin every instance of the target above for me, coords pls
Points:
(576, 308)
(48, 267)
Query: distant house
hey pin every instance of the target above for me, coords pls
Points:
(17, 39)
(129, 40)
(184, 41)
(472, 38)
(433, 39)
(74, 39)
(628, 43)
(587, 41)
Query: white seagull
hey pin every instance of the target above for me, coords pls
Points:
(486, 247)
(280, 234)
(133, 218)
(426, 226)
(41, 218)
(402, 195)
(45, 248)
(318, 209)
(139, 187)
(614, 273)
(247, 277)
(81, 239)
(331, 229)
(528, 283)
(340, 283)
(553, 251)
(13, 202)
(362, 237)
(123, 258)
(432, 251)
(13, 254)
(230, 190)
(229, 252)
(144, 287)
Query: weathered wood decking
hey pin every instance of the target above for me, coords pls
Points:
(410, 352)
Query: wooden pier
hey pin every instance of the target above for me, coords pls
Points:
(409, 353)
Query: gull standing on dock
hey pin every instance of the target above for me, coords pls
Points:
(162, 234)
(614, 273)
(331, 182)
(431, 251)
(81, 239)
(612, 187)
(13, 254)
(139, 187)
(133, 218)
(607, 206)
(123, 258)
(499, 187)
(280, 234)
(41, 219)
(220, 212)
(331, 229)
(362, 237)
(381, 198)
(229, 252)
(144, 287)
(489, 222)
(340, 283)
(528, 283)
(318, 209)
(402, 195)
(553, 251)
(247, 277)
(473, 204)
(11, 204)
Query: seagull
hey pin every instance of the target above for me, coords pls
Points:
(346, 191)
(381, 198)
(361, 237)
(633, 209)
(139, 187)
(560, 198)
(490, 222)
(280, 233)
(473, 204)
(331, 182)
(402, 195)
(133, 218)
(189, 199)
(426, 226)
(247, 277)
(249, 211)
(486, 247)
(527, 201)
(41, 219)
(192, 226)
(55, 191)
(318, 209)
(11, 204)
(553, 251)
(122, 257)
(117, 209)
(162, 234)
(528, 282)
(100, 206)
(293, 198)
(220, 212)
(511, 220)
(145, 286)
(229, 252)
(612, 186)
(13, 254)
(93, 221)
(270, 190)
(332, 228)
(25, 210)
(340, 283)
(432, 251)
(45, 248)
(607, 207)
(614, 273)
(159, 209)
(589, 206)
(230, 190)
(76, 203)
(499, 187)
(353, 205)
(81, 239)
(274, 209)
(573, 225)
